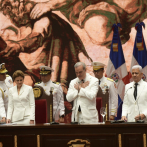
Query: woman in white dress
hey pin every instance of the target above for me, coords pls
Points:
(21, 105)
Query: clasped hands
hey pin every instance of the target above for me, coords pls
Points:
(138, 117)
(82, 85)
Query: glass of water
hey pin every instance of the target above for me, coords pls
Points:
(103, 112)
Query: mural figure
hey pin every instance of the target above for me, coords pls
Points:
(28, 44)
(96, 17)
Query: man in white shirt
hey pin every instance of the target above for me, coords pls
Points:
(82, 91)
(98, 70)
(58, 99)
(5, 83)
(135, 99)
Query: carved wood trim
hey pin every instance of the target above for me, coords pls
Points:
(15, 141)
(119, 140)
(1, 145)
(144, 140)
(38, 140)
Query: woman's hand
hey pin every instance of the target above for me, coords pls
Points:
(8, 121)
(31, 121)
(3, 120)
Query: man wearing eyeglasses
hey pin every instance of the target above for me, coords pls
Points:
(5, 83)
(98, 70)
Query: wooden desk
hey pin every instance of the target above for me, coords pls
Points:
(100, 135)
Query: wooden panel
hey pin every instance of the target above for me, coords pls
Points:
(132, 140)
(28, 140)
(103, 140)
(7, 140)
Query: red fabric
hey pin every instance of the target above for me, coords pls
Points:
(98, 106)
(40, 111)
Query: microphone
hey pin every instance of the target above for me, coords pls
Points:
(124, 96)
(127, 90)
(53, 123)
(75, 122)
(118, 121)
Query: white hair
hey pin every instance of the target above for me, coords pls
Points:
(137, 66)
(79, 64)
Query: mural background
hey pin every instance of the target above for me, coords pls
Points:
(76, 30)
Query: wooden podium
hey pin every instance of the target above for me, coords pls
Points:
(105, 101)
(40, 94)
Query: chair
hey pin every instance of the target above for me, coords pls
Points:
(78, 143)
(103, 102)
(98, 106)
(43, 105)
(41, 111)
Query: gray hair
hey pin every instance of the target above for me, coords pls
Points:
(137, 66)
(79, 64)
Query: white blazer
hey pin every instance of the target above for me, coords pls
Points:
(86, 98)
(113, 96)
(21, 105)
(4, 92)
(132, 107)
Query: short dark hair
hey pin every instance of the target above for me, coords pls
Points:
(18, 73)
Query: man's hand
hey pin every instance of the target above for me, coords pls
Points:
(61, 120)
(8, 121)
(138, 117)
(40, 9)
(3, 120)
(31, 121)
(12, 49)
(124, 118)
(112, 117)
(77, 86)
(83, 85)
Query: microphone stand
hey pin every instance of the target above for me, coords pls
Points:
(120, 121)
(139, 121)
(56, 123)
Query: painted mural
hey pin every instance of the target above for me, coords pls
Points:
(59, 33)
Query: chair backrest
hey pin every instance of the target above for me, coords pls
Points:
(105, 100)
(98, 106)
(78, 143)
(41, 111)
(40, 94)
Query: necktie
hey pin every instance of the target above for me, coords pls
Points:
(99, 82)
(135, 91)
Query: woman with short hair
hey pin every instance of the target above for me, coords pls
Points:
(21, 105)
